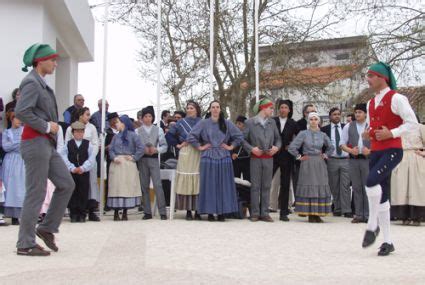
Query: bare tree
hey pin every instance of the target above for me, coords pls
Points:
(185, 42)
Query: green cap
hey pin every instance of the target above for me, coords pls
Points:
(36, 53)
(262, 104)
(383, 70)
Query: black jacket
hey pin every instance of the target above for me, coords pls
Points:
(287, 135)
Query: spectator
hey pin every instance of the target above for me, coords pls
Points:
(78, 104)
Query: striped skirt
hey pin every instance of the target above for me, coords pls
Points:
(313, 192)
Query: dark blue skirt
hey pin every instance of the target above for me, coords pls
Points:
(218, 190)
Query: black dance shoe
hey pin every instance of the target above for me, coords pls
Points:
(386, 249)
(370, 237)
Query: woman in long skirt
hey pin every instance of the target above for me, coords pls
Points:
(215, 137)
(408, 180)
(187, 174)
(13, 171)
(125, 150)
(313, 195)
(90, 134)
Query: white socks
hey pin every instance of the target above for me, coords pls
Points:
(374, 194)
(384, 221)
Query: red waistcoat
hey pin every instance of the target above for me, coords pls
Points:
(383, 116)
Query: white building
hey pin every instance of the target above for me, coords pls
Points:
(66, 25)
(326, 73)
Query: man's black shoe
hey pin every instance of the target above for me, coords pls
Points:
(370, 237)
(386, 249)
(147, 217)
(284, 218)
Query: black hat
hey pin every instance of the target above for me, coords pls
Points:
(112, 116)
(361, 107)
(149, 110)
(287, 102)
(241, 119)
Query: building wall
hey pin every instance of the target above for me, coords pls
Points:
(20, 26)
(338, 93)
(66, 25)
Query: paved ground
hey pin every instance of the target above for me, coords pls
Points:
(234, 252)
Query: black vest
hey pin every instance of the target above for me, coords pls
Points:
(77, 155)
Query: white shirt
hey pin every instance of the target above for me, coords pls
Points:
(360, 130)
(282, 123)
(400, 106)
(343, 153)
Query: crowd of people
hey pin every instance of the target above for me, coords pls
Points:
(223, 169)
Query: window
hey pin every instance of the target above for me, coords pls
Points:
(342, 56)
(310, 58)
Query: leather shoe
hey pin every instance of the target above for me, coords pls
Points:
(147, 217)
(220, 218)
(254, 219)
(348, 215)
(48, 238)
(386, 249)
(358, 220)
(211, 218)
(33, 251)
(163, 217)
(267, 219)
(93, 217)
(284, 218)
(337, 214)
(370, 237)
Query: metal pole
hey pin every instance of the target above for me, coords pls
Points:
(257, 71)
(211, 48)
(158, 63)
(102, 136)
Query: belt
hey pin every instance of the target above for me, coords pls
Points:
(155, 155)
(339, 157)
(360, 156)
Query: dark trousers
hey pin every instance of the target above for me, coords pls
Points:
(381, 165)
(241, 166)
(286, 170)
(78, 203)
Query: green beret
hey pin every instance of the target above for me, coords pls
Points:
(36, 53)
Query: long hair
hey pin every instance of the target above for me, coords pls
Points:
(196, 106)
(221, 120)
(77, 113)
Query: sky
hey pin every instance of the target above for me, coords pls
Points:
(126, 91)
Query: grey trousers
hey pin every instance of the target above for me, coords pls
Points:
(339, 182)
(359, 170)
(42, 162)
(149, 167)
(261, 180)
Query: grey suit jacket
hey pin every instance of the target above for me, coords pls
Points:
(37, 105)
(261, 136)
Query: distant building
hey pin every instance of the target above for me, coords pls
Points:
(67, 25)
(326, 73)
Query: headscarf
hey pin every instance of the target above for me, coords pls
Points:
(383, 70)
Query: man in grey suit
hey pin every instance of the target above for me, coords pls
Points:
(37, 109)
(359, 150)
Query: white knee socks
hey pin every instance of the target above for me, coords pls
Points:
(374, 194)
(384, 221)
